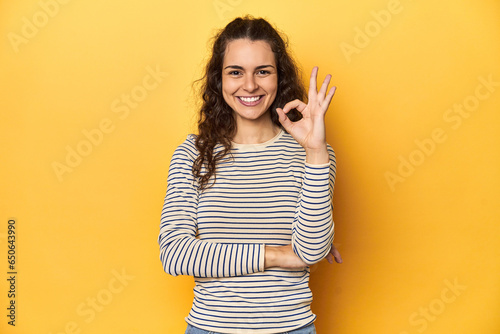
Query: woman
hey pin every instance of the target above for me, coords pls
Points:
(248, 204)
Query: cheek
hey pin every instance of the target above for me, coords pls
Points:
(227, 91)
(228, 86)
(272, 84)
(272, 87)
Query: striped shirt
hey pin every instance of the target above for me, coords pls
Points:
(264, 194)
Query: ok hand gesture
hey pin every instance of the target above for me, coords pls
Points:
(310, 131)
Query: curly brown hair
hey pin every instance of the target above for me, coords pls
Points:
(216, 123)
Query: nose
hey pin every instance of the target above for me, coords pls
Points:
(250, 83)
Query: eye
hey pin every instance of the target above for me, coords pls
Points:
(263, 72)
(234, 73)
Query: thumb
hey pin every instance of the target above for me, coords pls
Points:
(284, 120)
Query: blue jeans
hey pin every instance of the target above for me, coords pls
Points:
(309, 329)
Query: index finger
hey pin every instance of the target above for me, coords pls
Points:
(297, 104)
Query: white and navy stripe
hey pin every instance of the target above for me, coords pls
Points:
(264, 195)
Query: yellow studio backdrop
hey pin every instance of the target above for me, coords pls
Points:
(96, 95)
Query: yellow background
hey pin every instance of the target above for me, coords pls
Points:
(399, 67)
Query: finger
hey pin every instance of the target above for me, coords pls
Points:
(336, 254)
(329, 258)
(328, 98)
(313, 92)
(284, 120)
(323, 89)
(297, 104)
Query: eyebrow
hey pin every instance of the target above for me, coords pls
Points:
(241, 68)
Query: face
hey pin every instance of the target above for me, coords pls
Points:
(249, 80)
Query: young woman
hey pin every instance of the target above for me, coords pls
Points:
(249, 199)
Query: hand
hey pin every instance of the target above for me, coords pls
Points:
(334, 254)
(282, 256)
(310, 131)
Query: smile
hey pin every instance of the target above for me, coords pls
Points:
(250, 100)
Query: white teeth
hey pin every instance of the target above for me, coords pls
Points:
(249, 99)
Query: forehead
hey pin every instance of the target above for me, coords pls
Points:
(244, 52)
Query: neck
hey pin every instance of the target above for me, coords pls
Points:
(251, 132)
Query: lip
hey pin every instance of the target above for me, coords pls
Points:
(250, 104)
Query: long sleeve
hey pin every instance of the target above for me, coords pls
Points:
(264, 195)
(313, 227)
(181, 253)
